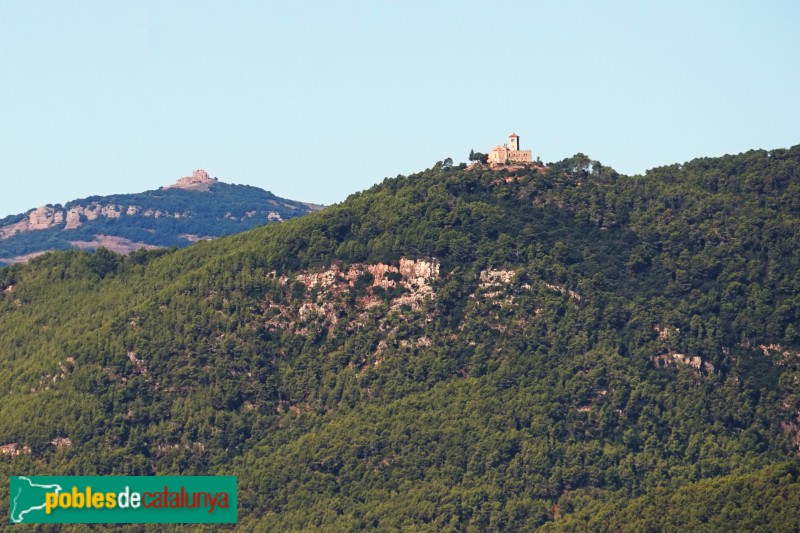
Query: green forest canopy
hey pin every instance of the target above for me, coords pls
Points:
(566, 396)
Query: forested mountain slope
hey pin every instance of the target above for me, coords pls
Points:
(460, 349)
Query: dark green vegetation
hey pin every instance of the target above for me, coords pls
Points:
(595, 351)
(222, 210)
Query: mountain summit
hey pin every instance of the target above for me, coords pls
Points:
(195, 207)
(198, 181)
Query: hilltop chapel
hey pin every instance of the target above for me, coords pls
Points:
(510, 153)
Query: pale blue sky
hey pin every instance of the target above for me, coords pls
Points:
(316, 100)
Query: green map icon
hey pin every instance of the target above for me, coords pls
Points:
(28, 498)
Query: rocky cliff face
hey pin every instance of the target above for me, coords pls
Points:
(328, 294)
(47, 217)
(38, 219)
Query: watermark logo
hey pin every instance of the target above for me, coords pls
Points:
(123, 500)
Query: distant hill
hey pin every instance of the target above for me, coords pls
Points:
(195, 208)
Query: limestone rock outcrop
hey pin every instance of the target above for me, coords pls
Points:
(45, 217)
(199, 180)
